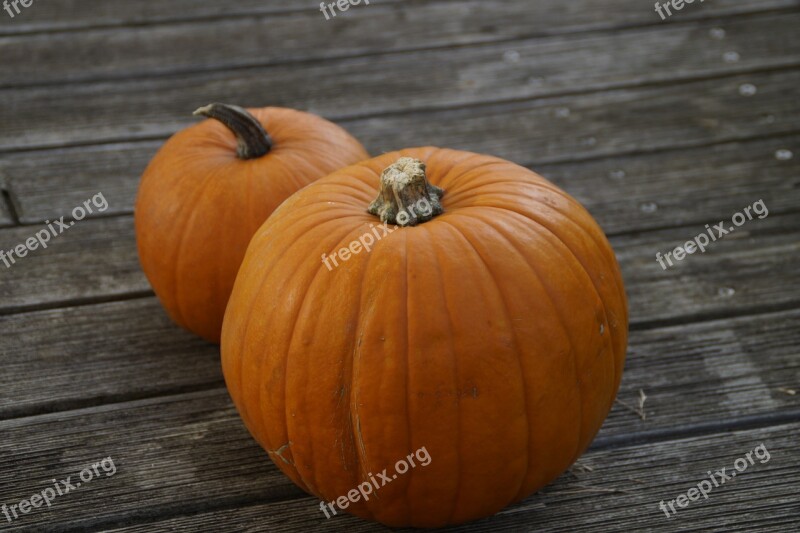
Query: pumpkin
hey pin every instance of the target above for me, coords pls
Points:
(426, 299)
(211, 186)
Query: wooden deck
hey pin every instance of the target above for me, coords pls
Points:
(657, 127)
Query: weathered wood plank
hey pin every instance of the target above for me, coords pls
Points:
(51, 183)
(257, 41)
(98, 354)
(190, 453)
(90, 260)
(601, 124)
(621, 493)
(344, 89)
(683, 187)
(708, 372)
(80, 14)
(620, 191)
(727, 279)
(170, 450)
(553, 15)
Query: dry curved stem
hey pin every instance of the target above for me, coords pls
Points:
(252, 139)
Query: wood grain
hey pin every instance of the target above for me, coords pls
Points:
(189, 453)
(552, 14)
(727, 280)
(189, 449)
(684, 184)
(98, 354)
(82, 14)
(94, 259)
(346, 89)
(217, 44)
(621, 493)
(600, 124)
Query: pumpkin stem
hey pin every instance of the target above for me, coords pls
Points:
(406, 197)
(253, 140)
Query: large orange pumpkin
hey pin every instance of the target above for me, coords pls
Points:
(208, 190)
(491, 335)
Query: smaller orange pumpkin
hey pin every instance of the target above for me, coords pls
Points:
(208, 190)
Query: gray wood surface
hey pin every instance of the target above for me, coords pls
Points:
(145, 108)
(657, 127)
(643, 120)
(625, 486)
(83, 14)
(264, 40)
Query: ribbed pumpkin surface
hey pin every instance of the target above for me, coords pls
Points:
(493, 335)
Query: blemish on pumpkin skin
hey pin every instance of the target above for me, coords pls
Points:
(361, 445)
(279, 452)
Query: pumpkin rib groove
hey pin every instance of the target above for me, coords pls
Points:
(452, 175)
(304, 301)
(588, 232)
(443, 160)
(188, 223)
(456, 380)
(471, 190)
(581, 273)
(243, 338)
(287, 358)
(410, 472)
(612, 333)
(597, 291)
(253, 301)
(610, 343)
(544, 287)
(560, 319)
(264, 422)
(174, 251)
(362, 464)
(578, 262)
(350, 232)
(243, 409)
(510, 328)
(528, 425)
(597, 247)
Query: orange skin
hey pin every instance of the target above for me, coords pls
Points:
(199, 205)
(493, 335)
